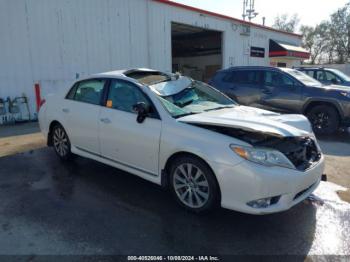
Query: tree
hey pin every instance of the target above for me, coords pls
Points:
(339, 33)
(308, 33)
(286, 23)
(316, 40)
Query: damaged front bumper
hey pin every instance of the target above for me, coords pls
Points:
(247, 182)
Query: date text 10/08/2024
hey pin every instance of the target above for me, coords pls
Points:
(173, 258)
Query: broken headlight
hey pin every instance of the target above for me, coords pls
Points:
(263, 156)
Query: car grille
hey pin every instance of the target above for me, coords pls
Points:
(304, 154)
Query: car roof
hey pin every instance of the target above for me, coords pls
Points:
(120, 73)
(148, 77)
(310, 68)
(250, 68)
(125, 74)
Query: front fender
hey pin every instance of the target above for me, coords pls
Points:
(331, 101)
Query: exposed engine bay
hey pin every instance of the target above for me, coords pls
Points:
(301, 151)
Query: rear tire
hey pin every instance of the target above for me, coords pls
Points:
(324, 119)
(61, 143)
(194, 185)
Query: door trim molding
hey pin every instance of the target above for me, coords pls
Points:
(117, 162)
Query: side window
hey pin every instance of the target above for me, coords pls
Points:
(309, 73)
(247, 77)
(320, 76)
(72, 91)
(277, 79)
(330, 77)
(124, 95)
(87, 91)
(229, 77)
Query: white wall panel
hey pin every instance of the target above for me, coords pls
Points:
(50, 41)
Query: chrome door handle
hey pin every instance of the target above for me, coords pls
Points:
(105, 120)
(65, 110)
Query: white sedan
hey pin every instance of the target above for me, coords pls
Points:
(187, 136)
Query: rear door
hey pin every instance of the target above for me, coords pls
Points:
(245, 86)
(124, 140)
(81, 110)
(281, 92)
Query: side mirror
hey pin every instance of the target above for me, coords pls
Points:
(142, 111)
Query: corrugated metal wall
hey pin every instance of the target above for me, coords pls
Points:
(51, 42)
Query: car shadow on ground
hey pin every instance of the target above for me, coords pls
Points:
(114, 212)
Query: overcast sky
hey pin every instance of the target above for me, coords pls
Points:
(311, 12)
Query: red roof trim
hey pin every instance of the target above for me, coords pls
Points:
(289, 54)
(278, 53)
(195, 9)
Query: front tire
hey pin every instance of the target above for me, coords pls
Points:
(61, 143)
(193, 184)
(324, 119)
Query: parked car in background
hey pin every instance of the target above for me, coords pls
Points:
(289, 91)
(327, 76)
(187, 136)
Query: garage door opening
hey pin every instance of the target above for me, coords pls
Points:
(196, 52)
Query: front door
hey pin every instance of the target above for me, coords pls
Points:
(124, 140)
(280, 92)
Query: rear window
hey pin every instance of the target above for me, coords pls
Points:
(87, 91)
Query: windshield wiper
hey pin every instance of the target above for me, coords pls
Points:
(217, 108)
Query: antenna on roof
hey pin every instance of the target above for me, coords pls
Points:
(248, 10)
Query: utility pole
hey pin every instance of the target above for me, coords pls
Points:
(248, 10)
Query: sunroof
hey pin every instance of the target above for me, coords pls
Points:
(148, 77)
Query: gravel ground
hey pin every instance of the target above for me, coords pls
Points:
(337, 153)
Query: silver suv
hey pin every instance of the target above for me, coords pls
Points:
(327, 76)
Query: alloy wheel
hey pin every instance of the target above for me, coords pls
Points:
(320, 120)
(60, 142)
(191, 185)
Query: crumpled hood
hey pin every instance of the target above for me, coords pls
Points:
(254, 119)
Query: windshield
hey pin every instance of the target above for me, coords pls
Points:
(340, 74)
(197, 97)
(304, 78)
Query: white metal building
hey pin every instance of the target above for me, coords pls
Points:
(53, 42)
